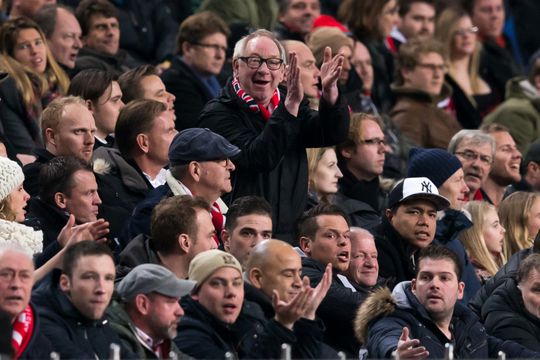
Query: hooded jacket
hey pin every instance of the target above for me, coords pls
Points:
(39, 346)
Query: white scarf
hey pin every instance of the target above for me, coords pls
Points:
(25, 236)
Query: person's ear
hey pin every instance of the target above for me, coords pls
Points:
(305, 244)
(194, 169)
(413, 286)
(461, 290)
(347, 153)
(389, 214)
(60, 200)
(255, 276)
(142, 143)
(184, 242)
(142, 303)
(64, 283)
(225, 238)
(235, 66)
(49, 136)
(90, 106)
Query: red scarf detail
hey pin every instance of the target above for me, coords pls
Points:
(254, 106)
(218, 220)
(23, 329)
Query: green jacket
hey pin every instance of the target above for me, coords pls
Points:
(520, 113)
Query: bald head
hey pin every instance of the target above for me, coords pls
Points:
(364, 267)
(309, 72)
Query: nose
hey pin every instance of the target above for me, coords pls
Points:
(179, 311)
(97, 200)
(316, 73)
(230, 165)
(339, 174)
(465, 189)
(503, 230)
(77, 44)
(297, 282)
(26, 196)
(171, 98)
(346, 64)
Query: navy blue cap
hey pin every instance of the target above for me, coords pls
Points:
(436, 164)
(198, 144)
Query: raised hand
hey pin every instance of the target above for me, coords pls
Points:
(287, 313)
(295, 90)
(410, 349)
(319, 292)
(330, 72)
(72, 234)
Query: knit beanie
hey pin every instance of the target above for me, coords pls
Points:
(435, 164)
(204, 264)
(325, 36)
(11, 176)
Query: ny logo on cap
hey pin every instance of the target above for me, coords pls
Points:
(426, 187)
(228, 259)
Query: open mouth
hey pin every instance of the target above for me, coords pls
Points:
(423, 235)
(229, 308)
(261, 82)
(343, 256)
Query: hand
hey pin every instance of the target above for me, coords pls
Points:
(330, 72)
(287, 313)
(410, 349)
(319, 293)
(295, 90)
(72, 234)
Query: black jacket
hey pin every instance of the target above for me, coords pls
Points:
(202, 336)
(39, 346)
(387, 315)
(191, 94)
(273, 162)
(31, 171)
(505, 317)
(137, 252)
(92, 59)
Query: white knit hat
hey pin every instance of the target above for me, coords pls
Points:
(11, 176)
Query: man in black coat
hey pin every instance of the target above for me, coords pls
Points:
(272, 128)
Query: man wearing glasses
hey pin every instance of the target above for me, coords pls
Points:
(273, 127)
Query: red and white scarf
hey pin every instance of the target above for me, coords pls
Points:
(254, 106)
(23, 327)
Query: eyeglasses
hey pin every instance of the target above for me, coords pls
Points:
(223, 162)
(434, 67)
(373, 141)
(470, 155)
(255, 62)
(216, 47)
(463, 32)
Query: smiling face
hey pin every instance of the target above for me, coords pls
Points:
(262, 82)
(455, 189)
(415, 221)
(30, 50)
(364, 267)
(507, 160)
(16, 281)
(103, 34)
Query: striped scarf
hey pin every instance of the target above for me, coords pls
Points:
(23, 327)
(254, 106)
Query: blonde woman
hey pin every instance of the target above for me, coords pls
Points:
(484, 240)
(324, 174)
(520, 215)
(34, 80)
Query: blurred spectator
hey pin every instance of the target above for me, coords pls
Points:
(472, 97)
(361, 159)
(260, 14)
(520, 216)
(484, 240)
(363, 71)
(249, 222)
(420, 69)
(63, 34)
(35, 79)
(200, 55)
(181, 227)
(530, 171)
(417, 19)
(296, 18)
(25, 8)
(506, 163)
(104, 99)
(371, 22)
(101, 38)
(273, 129)
(520, 112)
(148, 311)
(476, 150)
(324, 174)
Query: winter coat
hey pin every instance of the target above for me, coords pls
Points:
(39, 347)
(467, 112)
(273, 161)
(382, 317)
(418, 118)
(202, 336)
(520, 113)
(137, 252)
(505, 317)
(92, 59)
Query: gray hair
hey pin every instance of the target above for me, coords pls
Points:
(475, 137)
(240, 46)
(15, 247)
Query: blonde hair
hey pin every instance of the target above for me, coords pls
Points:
(514, 214)
(447, 24)
(473, 237)
(6, 213)
(314, 156)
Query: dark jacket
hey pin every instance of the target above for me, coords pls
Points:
(137, 252)
(273, 162)
(285, 33)
(383, 316)
(467, 112)
(71, 334)
(39, 347)
(92, 59)
(337, 309)
(139, 223)
(505, 317)
(31, 171)
(202, 336)
(191, 93)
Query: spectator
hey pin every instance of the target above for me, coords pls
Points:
(520, 112)
(199, 164)
(296, 18)
(244, 14)
(426, 316)
(272, 142)
(103, 98)
(219, 318)
(72, 307)
(417, 20)
(520, 216)
(476, 150)
(484, 240)
(249, 221)
(148, 311)
(530, 175)
(63, 34)
(409, 225)
(181, 227)
(35, 79)
(472, 97)
(363, 73)
(24, 8)
(27, 339)
(323, 235)
(361, 160)
(420, 69)
(511, 313)
(101, 38)
(506, 163)
(324, 174)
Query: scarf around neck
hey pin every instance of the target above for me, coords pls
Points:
(23, 328)
(254, 106)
